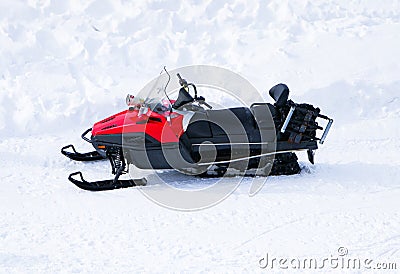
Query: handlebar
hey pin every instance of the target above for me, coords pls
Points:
(182, 81)
(202, 101)
(186, 85)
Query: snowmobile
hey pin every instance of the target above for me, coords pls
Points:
(188, 135)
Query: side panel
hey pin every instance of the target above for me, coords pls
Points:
(145, 152)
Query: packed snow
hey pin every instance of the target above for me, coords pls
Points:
(67, 64)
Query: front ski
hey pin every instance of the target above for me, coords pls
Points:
(105, 184)
(84, 157)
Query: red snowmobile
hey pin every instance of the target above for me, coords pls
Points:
(188, 135)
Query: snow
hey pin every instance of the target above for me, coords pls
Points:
(67, 64)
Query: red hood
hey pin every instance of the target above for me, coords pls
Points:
(152, 123)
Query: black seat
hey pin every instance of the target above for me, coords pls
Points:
(226, 119)
(263, 112)
(219, 123)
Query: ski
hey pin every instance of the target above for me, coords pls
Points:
(83, 157)
(104, 184)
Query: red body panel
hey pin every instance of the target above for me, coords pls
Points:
(151, 123)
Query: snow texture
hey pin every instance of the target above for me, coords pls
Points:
(66, 64)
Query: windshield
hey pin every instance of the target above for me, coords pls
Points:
(218, 80)
(153, 95)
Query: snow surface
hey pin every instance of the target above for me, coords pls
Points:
(66, 64)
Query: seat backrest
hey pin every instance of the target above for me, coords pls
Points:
(280, 93)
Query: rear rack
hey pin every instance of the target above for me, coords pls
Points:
(289, 117)
(327, 128)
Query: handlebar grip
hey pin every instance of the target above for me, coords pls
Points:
(182, 81)
(207, 105)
